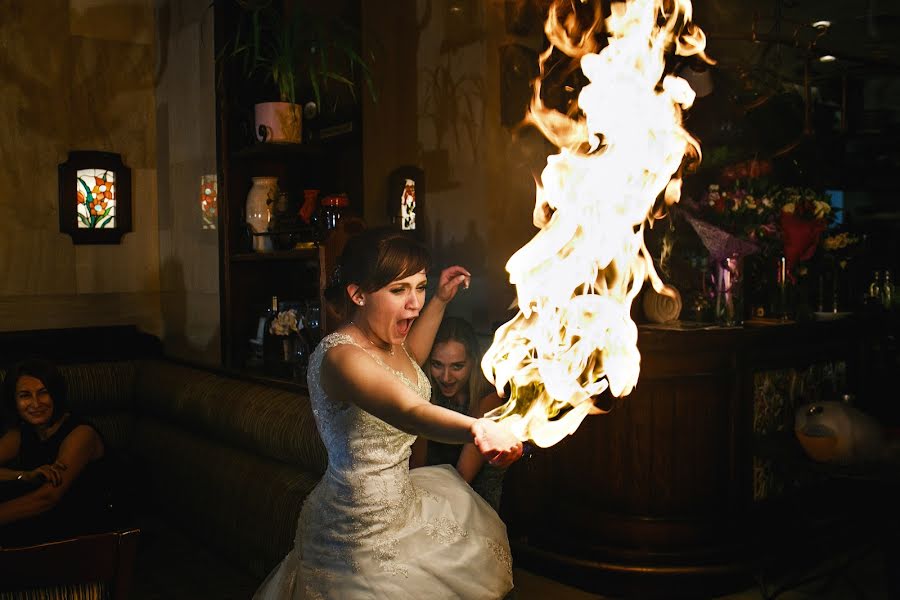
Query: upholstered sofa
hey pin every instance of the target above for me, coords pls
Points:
(221, 466)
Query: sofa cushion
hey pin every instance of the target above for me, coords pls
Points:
(242, 505)
(103, 393)
(97, 388)
(269, 421)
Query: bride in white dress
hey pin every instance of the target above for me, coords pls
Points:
(371, 528)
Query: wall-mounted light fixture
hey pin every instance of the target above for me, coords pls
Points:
(94, 197)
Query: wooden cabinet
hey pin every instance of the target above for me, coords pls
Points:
(328, 160)
(677, 492)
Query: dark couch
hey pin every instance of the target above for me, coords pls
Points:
(221, 468)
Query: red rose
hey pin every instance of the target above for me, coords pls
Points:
(801, 237)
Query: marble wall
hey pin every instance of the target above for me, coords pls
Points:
(440, 108)
(76, 74)
(186, 142)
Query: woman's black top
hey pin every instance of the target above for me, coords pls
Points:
(81, 510)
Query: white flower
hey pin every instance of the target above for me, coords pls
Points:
(286, 322)
(821, 209)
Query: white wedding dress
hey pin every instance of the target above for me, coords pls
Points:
(373, 529)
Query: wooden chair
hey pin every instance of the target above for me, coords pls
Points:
(104, 560)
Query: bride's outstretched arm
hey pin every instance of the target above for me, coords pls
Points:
(421, 336)
(349, 373)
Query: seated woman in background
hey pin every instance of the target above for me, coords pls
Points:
(46, 457)
(454, 368)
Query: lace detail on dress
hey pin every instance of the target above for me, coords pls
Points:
(445, 531)
(501, 553)
(386, 555)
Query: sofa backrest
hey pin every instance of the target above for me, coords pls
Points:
(230, 461)
(266, 421)
(103, 393)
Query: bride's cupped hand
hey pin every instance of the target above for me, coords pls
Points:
(496, 442)
(452, 278)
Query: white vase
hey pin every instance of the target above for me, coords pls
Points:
(258, 210)
(278, 122)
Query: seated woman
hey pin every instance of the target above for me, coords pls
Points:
(47, 460)
(457, 384)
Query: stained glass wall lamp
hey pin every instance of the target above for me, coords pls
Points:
(94, 197)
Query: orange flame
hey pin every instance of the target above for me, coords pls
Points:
(573, 337)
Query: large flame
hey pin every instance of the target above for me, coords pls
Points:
(573, 337)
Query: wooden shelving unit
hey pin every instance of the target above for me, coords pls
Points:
(248, 280)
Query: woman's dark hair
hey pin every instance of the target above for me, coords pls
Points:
(372, 259)
(48, 374)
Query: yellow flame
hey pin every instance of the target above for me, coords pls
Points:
(573, 337)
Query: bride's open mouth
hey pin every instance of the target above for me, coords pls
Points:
(403, 326)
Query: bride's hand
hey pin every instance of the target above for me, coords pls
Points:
(450, 281)
(496, 442)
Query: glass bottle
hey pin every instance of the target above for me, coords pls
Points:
(271, 344)
(887, 290)
(333, 208)
(257, 342)
(875, 287)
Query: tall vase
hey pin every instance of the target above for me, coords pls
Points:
(782, 305)
(260, 200)
(728, 284)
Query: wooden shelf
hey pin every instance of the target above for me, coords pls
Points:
(304, 254)
(268, 150)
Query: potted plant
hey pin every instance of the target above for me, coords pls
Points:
(300, 51)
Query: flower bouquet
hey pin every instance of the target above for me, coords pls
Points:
(744, 214)
(285, 323)
(288, 325)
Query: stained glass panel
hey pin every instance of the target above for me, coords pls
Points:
(96, 207)
(209, 207)
(408, 206)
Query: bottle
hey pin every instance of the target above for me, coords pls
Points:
(257, 342)
(887, 290)
(333, 208)
(271, 345)
(875, 287)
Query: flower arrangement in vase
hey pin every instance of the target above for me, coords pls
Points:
(744, 213)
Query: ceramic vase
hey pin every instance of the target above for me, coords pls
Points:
(258, 210)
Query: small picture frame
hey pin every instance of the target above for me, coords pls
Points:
(94, 197)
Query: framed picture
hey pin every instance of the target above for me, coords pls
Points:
(406, 199)
(94, 197)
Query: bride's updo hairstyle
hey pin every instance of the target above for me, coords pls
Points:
(373, 259)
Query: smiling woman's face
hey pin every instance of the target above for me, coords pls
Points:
(450, 369)
(33, 401)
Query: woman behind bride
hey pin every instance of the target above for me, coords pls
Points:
(370, 528)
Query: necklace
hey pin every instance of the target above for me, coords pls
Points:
(389, 349)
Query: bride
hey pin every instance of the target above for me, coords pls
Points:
(370, 528)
